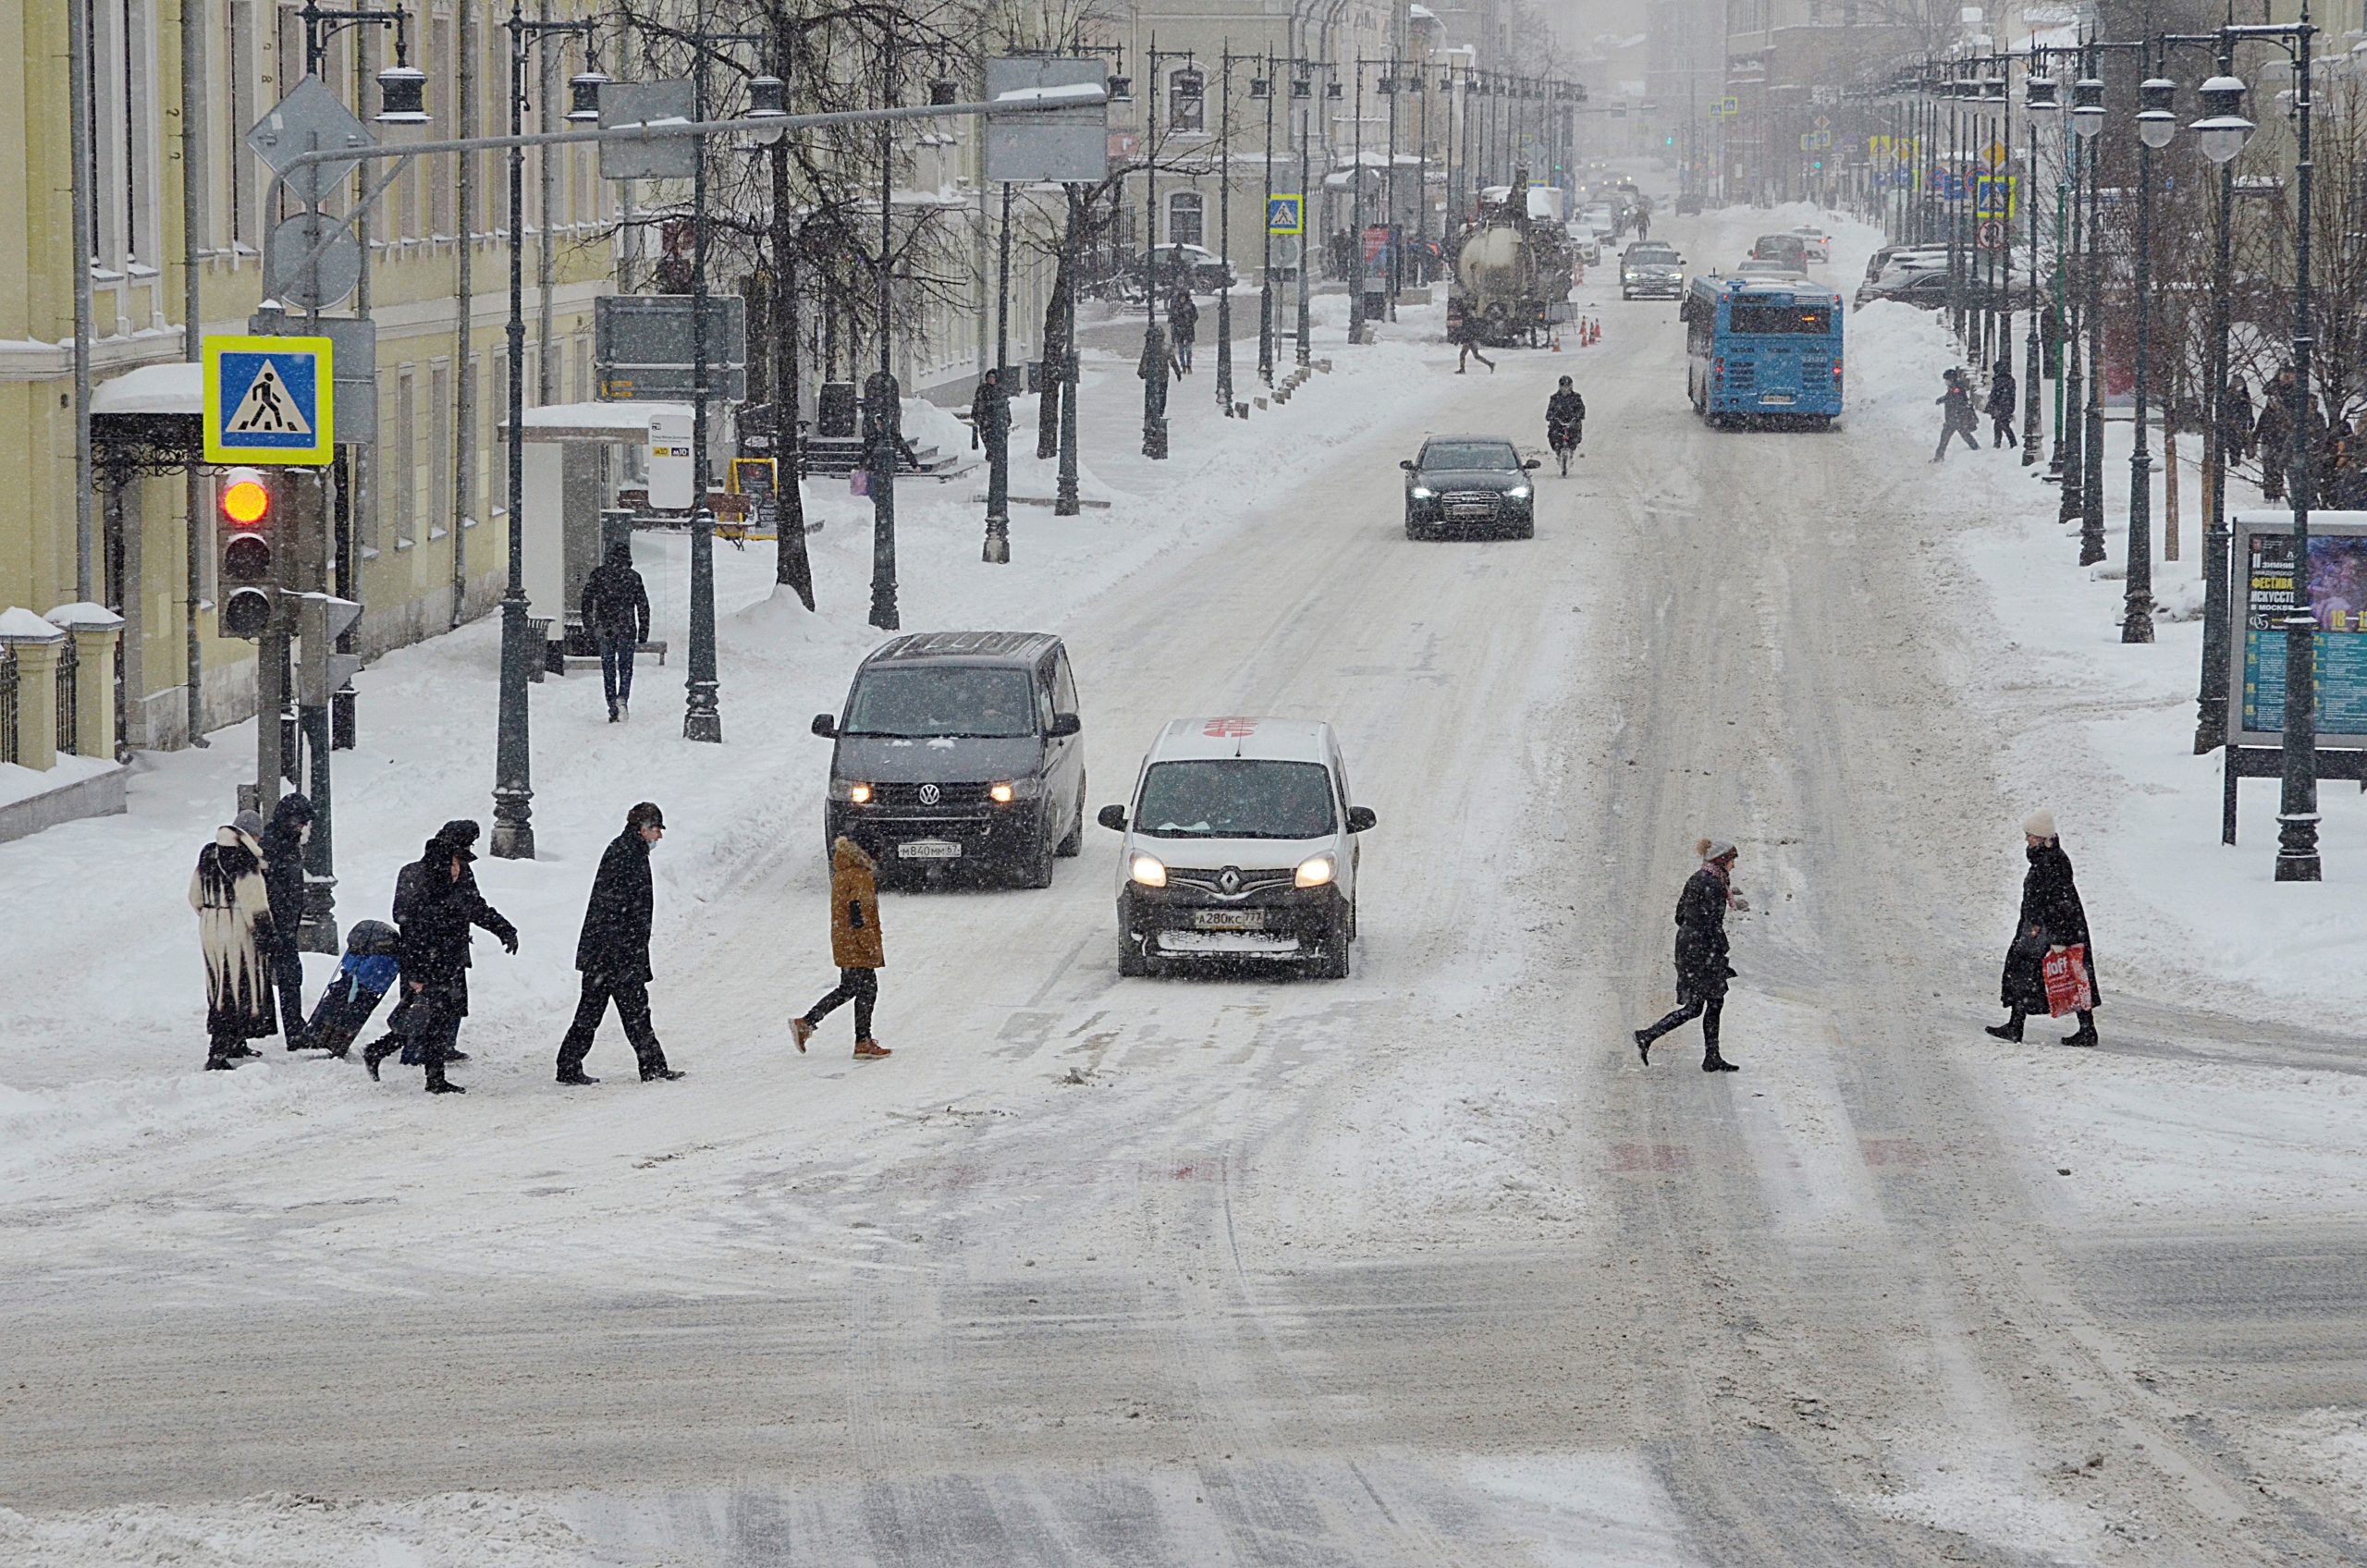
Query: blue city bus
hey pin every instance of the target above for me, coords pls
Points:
(1765, 350)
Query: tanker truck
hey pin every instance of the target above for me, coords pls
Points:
(1510, 272)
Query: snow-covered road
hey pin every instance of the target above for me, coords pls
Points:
(1416, 1268)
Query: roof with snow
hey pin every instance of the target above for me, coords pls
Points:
(175, 388)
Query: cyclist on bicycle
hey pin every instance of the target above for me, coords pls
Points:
(1565, 421)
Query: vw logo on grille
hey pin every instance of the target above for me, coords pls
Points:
(1229, 880)
(930, 794)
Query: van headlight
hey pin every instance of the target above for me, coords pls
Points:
(1315, 873)
(851, 792)
(1148, 872)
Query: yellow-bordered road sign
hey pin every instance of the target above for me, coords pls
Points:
(270, 401)
(1285, 215)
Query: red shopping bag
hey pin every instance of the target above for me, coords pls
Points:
(2066, 982)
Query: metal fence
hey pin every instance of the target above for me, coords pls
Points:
(8, 748)
(68, 707)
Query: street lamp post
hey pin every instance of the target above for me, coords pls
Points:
(996, 435)
(1224, 233)
(2037, 89)
(2155, 125)
(1303, 89)
(2297, 817)
(1154, 360)
(1357, 213)
(883, 400)
(2087, 120)
(1264, 88)
(2222, 133)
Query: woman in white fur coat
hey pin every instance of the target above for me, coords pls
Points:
(233, 926)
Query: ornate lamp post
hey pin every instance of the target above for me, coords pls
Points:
(2222, 132)
(2156, 124)
(2087, 121)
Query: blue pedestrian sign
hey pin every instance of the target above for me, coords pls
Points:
(270, 401)
(1285, 215)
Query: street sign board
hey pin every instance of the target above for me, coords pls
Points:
(1068, 146)
(2265, 596)
(1725, 108)
(329, 277)
(670, 463)
(644, 102)
(356, 365)
(1992, 196)
(642, 347)
(270, 401)
(309, 120)
(1991, 235)
(1285, 215)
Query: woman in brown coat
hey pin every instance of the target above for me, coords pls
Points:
(854, 947)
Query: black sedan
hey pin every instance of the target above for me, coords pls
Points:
(1468, 484)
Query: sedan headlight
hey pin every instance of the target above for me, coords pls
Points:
(1421, 492)
(1519, 493)
(1148, 872)
(1315, 873)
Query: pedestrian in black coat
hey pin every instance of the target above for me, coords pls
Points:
(2236, 417)
(613, 951)
(616, 616)
(283, 877)
(432, 916)
(1955, 416)
(2051, 919)
(2000, 407)
(1702, 967)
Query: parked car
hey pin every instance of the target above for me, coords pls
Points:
(1927, 288)
(1467, 483)
(960, 748)
(1204, 270)
(1242, 845)
(1815, 241)
(1688, 203)
(1881, 261)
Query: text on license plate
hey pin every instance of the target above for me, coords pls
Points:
(1775, 397)
(929, 849)
(1229, 919)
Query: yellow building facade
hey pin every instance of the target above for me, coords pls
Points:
(423, 527)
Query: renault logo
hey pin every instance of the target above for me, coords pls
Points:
(930, 794)
(1229, 880)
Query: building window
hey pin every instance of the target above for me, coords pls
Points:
(439, 444)
(237, 162)
(443, 219)
(1184, 208)
(124, 135)
(1187, 101)
(399, 496)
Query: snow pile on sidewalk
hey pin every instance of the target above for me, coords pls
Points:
(2102, 731)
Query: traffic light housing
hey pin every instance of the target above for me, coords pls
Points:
(246, 507)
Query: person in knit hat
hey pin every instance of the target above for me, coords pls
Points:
(233, 931)
(2051, 920)
(1702, 967)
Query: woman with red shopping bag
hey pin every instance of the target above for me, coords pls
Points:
(2050, 967)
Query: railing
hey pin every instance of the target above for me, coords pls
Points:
(68, 709)
(9, 747)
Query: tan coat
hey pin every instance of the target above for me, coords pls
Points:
(854, 908)
(233, 925)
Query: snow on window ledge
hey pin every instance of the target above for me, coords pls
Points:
(405, 544)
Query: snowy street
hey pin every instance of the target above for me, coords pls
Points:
(1418, 1266)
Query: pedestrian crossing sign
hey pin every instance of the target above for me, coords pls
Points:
(1285, 215)
(270, 401)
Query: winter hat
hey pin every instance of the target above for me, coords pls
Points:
(249, 822)
(2040, 823)
(1714, 848)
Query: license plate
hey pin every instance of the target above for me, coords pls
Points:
(1776, 397)
(929, 849)
(1229, 919)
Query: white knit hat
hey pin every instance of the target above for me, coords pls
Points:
(1718, 850)
(2040, 823)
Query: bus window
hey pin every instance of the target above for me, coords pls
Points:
(1754, 320)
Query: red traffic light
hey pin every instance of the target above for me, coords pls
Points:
(246, 502)
(246, 569)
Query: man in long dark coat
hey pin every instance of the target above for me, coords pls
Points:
(283, 875)
(475, 912)
(613, 952)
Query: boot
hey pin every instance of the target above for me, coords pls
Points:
(2011, 1030)
(2086, 1034)
(800, 1031)
(577, 1076)
(441, 1087)
(661, 1075)
(377, 1051)
(220, 1064)
(242, 1050)
(1644, 1045)
(870, 1050)
(612, 713)
(1713, 1062)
